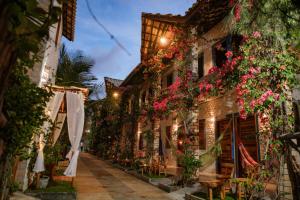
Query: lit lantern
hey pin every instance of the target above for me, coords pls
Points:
(115, 94)
(163, 41)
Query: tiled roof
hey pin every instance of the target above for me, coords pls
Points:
(203, 13)
(69, 15)
(115, 82)
(132, 74)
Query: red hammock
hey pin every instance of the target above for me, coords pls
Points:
(247, 160)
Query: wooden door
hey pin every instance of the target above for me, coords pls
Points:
(225, 127)
(246, 131)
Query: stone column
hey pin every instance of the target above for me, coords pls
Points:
(156, 122)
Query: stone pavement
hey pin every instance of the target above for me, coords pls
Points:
(96, 180)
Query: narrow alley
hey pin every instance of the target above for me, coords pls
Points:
(96, 180)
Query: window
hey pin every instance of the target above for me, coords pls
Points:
(168, 137)
(230, 43)
(141, 142)
(201, 65)
(143, 98)
(202, 138)
(219, 51)
(236, 42)
(169, 79)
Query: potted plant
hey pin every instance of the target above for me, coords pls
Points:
(189, 162)
(53, 154)
(44, 180)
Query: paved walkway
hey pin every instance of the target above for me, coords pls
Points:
(96, 180)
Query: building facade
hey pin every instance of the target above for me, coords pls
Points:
(212, 117)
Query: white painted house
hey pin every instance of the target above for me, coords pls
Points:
(44, 71)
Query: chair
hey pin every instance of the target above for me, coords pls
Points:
(154, 166)
(162, 169)
(227, 170)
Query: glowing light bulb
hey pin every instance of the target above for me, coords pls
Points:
(163, 41)
(115, 95)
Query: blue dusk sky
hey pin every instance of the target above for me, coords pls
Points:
(123, 19)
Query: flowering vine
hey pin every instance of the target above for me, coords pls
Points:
(260, 75)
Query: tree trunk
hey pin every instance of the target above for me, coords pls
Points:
(8, 56)
(5, 176)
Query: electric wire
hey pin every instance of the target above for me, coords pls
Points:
(106, 30)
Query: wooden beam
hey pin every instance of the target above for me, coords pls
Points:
(290, 136)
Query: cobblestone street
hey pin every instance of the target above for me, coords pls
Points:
(97, 180)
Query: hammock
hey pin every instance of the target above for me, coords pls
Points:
(247, 160)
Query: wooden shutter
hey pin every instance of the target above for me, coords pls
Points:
(202, 136)
(246, 131)
(168, 137)
(169, 79)
(201, 65)
(223, 127)
(141, 142)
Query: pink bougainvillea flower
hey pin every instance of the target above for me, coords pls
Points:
(252, 104)
(256, 34)
(219, 82)
(243, 113)
(160, 106)
(237, 12)
(252, 70)
(179, 56)
(241, 102)
(174, 87)
(251, 58)
(213, 70)
(169, 55)
(208, 87)
(218, 46)
(201, 86)
(164, 103)
(156, 106)
(229, 54)
(231, 2)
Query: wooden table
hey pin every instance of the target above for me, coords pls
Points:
(144, 167)
(213, 183)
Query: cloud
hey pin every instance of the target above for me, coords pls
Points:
(110, 62)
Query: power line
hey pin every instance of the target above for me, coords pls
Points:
(106, 30)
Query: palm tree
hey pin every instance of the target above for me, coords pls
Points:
(75, 69)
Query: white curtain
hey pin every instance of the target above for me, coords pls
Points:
(75, 119)
(60, 120)
(51, 110)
